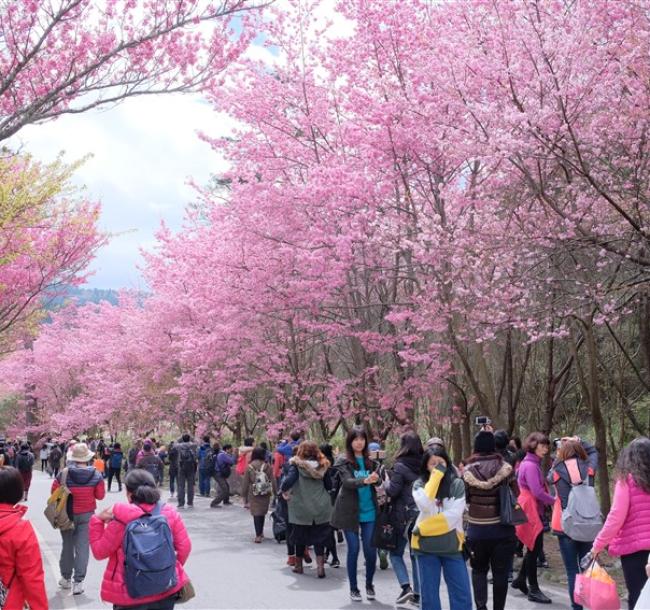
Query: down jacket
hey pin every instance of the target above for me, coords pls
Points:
(86, 486)
(106, 542)
(483, 476)
(20, 560)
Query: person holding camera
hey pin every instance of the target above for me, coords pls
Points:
(491, 543)
(533, 498)
(575, 463)
(355, 509)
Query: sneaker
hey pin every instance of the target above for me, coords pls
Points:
(65, 583)
(383, 560)
(370, 592)
(405, 595)
(335, 563)
(77, 588)
(355, 595)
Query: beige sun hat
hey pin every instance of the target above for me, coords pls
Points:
(81, 453)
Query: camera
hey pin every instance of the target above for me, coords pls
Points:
(482, 420)
(557, 443)
(378, 454)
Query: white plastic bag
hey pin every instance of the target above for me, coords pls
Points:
(643, 603)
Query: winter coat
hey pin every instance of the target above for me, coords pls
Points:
(21, 566)
(310, 502)
(106, 543)
(439, 526)
(399, 488)
(627, 528)
(529, 477)
(152, 464)
(483, 476)
(86, 486)
(561, 476)
(345, 515)
(259, 505)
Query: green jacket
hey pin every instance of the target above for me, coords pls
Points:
(345, 515)
(310, 502)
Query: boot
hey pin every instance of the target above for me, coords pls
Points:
(306, 556)
(519, 583)
(291, 560)
(297, 568)
(320, 566)
(535, 595)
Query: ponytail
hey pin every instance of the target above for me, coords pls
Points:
(142, 487)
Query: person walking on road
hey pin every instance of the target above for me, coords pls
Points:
(115, 462)
(206, 467)
(258, 486)
(86, 486)
(25, 464)
(56, 455)
(172, 459)
(533, 497)
(491, 544)
(107, 534)
(224, 461)
(399, 488)
(438, 536)
(150, 462)
(187, 457)
(627, 529)
(21, 566)
(355, 508)
(306, 488)
(44, 454)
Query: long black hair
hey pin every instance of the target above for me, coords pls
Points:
(444, 491)
(357, 432)
(142, 486)
(410, 445)
(634, 461)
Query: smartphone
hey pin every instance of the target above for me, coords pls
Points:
(482, 420)
(380, 454)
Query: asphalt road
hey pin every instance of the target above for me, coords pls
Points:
(229, 571)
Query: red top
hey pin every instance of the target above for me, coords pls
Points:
(86, 486)
(21, 567)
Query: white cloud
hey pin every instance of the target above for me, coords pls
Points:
(144, 153)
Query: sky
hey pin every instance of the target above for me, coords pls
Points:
(144, 152)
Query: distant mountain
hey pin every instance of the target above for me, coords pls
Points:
(82, 296)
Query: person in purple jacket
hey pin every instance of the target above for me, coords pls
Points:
(531, 485)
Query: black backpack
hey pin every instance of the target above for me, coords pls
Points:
(25, 462)
(186, 459)
(222, 470)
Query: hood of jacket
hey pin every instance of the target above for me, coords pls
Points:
(10, 516)
(486, 472)
(125, 512)
(309, 468)
(83, 475)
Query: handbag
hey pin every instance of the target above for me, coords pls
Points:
(511, 511)
(595, 589)
(186, 593)
(387, 530)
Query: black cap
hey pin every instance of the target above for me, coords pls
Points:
(484, 442)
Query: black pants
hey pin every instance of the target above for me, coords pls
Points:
(173, 475)
(258, 522)
(114, 472)
(635, 576)
(528, 570)
(496, 554)
(223, 491)
(44, 464)
(186, 481)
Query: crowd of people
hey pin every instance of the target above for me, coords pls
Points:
(482, 511)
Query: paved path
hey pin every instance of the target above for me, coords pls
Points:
(229, 571)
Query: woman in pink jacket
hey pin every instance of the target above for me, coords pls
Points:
(627, 529)
(107, 534)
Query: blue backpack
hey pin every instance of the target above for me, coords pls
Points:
(149, 555)
(116, 460)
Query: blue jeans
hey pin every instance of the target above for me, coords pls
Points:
(399, 565)
(204, 482)
(572, 552)
(369, 553)
(453, 566)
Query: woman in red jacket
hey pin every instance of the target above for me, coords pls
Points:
(21, 567)
(107, 534)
